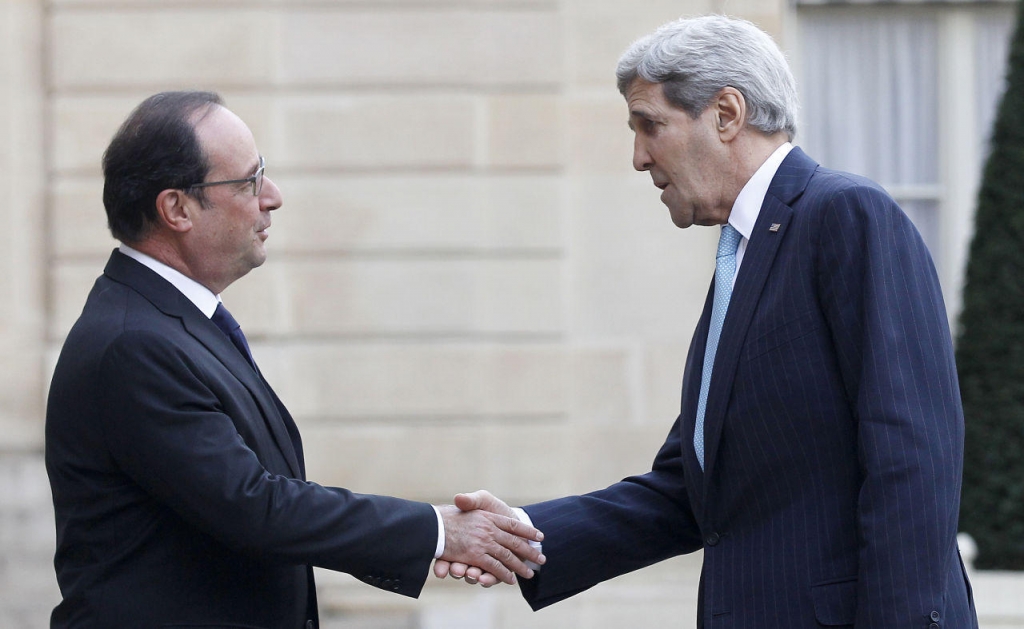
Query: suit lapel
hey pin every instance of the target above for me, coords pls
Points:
(171, 302)
(220, 346)
(691, 392)
(769, 231)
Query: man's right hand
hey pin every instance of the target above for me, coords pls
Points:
(477, 573)
(483, 532)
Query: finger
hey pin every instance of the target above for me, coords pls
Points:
(441, 568)
(471, 580)
(474, 573)
(518, 528)
(498, 569)
(487, 580)
(483, 499)
(520, 549)
(500, 553)
(457, 570)
(470, 502)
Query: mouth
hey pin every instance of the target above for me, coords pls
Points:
(661, 186)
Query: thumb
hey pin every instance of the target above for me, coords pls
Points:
(485, 500)
(471, 502)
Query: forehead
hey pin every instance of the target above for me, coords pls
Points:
(225, 138)
(647, 100)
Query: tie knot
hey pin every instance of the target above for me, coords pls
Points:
(729, 241)
(223, 320)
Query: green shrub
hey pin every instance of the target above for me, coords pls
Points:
(990, 345)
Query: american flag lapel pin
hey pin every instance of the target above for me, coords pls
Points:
(775, 227)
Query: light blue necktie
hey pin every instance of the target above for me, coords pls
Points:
(725, 272)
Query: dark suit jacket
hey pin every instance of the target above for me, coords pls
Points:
(833, 433)
(178, 480)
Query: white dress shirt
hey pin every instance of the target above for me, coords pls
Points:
(747, 206)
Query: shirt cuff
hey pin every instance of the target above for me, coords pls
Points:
(440, 533)
(525, 519)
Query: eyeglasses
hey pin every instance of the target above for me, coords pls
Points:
(256, 180)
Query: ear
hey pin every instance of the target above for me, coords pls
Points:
(174, 209)
(730, 113)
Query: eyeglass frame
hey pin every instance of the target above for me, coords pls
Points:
(254, 179)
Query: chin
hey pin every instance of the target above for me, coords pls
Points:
(682, 222)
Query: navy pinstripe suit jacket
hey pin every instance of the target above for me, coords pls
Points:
(833, 432)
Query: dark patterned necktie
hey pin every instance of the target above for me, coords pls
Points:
(227, 324)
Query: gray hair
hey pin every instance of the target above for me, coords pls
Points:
(694, 58)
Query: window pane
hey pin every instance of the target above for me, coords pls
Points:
(869, 89)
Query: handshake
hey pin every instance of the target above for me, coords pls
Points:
(486, 542)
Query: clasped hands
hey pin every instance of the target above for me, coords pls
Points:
(485, 542)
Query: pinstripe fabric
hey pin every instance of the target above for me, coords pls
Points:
(833, 436)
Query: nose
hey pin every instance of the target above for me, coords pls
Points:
(270, 195)
(641, 158)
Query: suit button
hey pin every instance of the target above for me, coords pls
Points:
(309, 624)
(935, 616)
(712, 539)
(386, 584)
(397, 585)
(934, 625)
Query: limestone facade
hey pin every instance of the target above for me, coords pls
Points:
(468, 285)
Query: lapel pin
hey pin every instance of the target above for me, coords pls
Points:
(775, 227)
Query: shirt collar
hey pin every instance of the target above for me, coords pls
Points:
(202, 297)
(748, 203)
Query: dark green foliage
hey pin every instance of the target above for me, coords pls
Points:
(990, 347)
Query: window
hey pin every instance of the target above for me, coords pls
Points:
(906, 95)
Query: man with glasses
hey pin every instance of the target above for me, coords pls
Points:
(177, 474)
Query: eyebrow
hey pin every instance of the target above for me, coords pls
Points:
(638, 113)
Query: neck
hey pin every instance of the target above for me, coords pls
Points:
(169, 253)
(749, 151)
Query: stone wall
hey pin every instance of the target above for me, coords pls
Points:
(468, 286)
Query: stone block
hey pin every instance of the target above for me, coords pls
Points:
(79, 222)
(603, 455)
(525, 131)
(22, 388)
(367, 132)
(105, 47)
(513, 46)
(22, 257)
(417, 213)
(524, 461)
(332, 3)
(322, 380)
(599, 31)
(598, 136)
(400, 297)
(603, 381)
(82, 127)
(71, 282)
(635, 274)
(663, 366)
(662, 595)
(392, 459)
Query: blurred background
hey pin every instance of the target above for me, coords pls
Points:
(468, 285)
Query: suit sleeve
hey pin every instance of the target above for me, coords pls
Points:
(169, 432)
(882, 300)
(632, 524)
